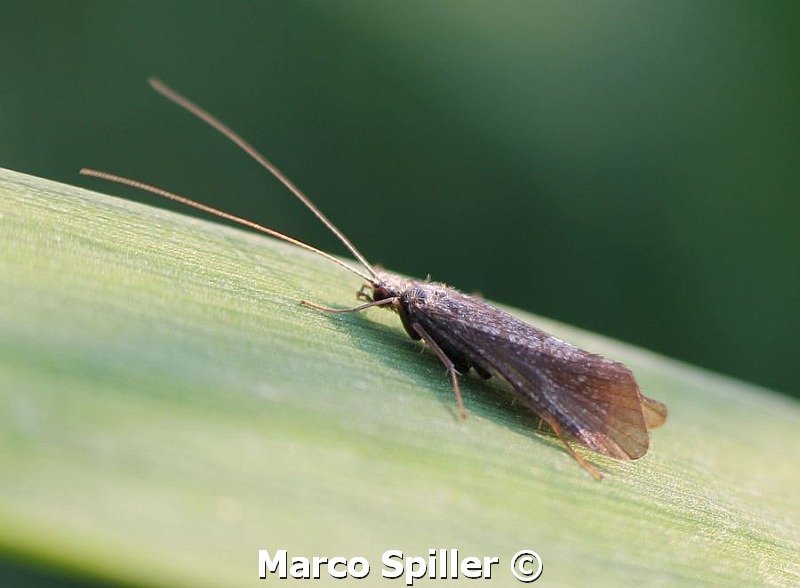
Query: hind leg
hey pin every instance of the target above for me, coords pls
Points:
(586, 465)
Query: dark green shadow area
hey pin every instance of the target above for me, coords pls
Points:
(16, 573)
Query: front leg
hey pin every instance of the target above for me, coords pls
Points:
(362, 293)
(448, 364)
(383, 302)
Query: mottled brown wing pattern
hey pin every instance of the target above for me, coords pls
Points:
(593, 399)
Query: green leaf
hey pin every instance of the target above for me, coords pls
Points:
(167, 409)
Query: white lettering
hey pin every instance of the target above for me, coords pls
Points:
(471, 567)
(431, 563)
(267, 564)
(334, 573)
(387, 559)
(352, 567)
(437, 564)
(318, 561)
(301, 568)
(411, 573)
(488, 562)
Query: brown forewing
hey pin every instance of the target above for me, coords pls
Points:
(593, 399)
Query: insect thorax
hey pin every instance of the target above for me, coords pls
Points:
(390, 286)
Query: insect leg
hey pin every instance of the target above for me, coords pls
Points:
(586, 465)
(362, 293)
(356, 309)
(448, 364)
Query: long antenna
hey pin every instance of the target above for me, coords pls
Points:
(220, 213)
(212, 121)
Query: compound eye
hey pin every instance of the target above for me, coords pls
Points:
(381, 293)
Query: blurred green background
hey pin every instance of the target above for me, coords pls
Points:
(628, 167)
